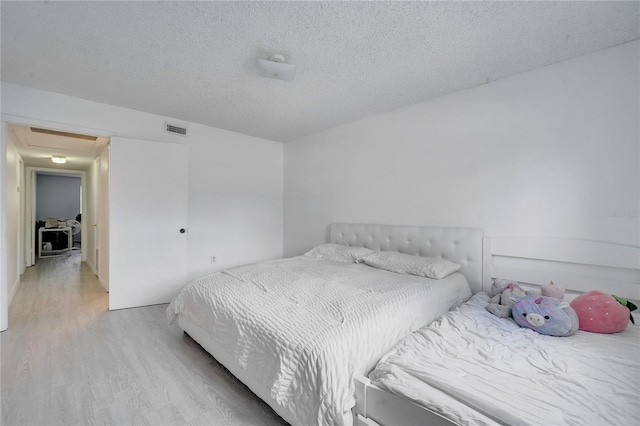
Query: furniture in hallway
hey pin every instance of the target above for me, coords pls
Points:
(54, 241)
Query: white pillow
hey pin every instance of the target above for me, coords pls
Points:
(338, 252)
(430, 267)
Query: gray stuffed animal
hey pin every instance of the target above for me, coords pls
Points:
(502, 294)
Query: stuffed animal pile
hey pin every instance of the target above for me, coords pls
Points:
(549, 314)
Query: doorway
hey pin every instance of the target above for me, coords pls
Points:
(56, 213)
(29, 153)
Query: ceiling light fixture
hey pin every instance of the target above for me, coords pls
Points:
(274, 67)
(59, 159)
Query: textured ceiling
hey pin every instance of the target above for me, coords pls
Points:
(196, 61)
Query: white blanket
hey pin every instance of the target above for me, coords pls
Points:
(302, 327)
(475, 368)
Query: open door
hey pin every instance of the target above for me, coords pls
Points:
(148, 219)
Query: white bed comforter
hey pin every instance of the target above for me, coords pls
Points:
(302, 327)
(475, 368)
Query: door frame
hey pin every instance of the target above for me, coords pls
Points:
(5, 121)
(30, 210)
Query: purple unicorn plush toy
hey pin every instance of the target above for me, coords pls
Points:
(545, 315)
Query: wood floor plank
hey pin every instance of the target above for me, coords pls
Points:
(67, 360)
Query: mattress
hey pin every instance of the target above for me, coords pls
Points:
(302, 327)
(475, 368)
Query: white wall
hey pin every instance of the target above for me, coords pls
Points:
(552, 152)
(235, 208)
(13, 221)
(236, 181)
(57, 196)
(3, 227)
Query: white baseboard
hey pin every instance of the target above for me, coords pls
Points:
(95, 272)
(104, 285)
(92, 267)
(12, 291)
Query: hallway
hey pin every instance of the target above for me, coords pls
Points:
(67, 360)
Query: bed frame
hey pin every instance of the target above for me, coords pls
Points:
(579, 265)
(459, 245)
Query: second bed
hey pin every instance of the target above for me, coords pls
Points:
(473, 368)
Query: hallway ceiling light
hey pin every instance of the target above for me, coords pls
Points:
(59, 159)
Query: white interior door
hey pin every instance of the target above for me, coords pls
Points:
(148, 221)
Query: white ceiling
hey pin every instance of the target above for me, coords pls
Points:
(196, 61)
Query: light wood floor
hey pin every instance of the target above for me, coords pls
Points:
(67, 360)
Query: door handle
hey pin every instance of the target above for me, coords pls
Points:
(182, 230)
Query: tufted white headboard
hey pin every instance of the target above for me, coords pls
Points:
(459, 245)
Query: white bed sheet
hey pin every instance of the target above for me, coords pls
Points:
(475, 369)
(302, 327)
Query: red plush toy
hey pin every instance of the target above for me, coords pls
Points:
(601, 313)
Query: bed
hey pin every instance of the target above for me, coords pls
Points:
(297, 330)
(472, 368)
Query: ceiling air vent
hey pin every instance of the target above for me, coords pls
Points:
(172, 128)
